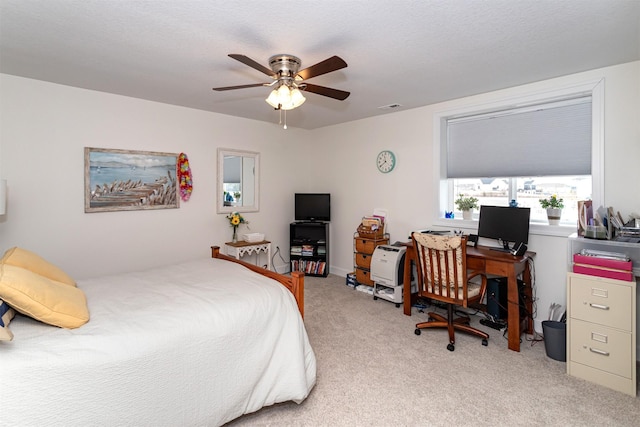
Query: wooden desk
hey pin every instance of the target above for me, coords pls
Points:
(497, 263)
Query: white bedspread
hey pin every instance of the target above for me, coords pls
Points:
(193, 344)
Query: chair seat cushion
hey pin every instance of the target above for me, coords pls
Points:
(473, 290)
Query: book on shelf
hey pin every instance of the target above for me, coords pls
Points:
(309, 267)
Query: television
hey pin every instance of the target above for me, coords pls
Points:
(505, 224)
(312, 207)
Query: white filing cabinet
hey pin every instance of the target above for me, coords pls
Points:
(601, 331)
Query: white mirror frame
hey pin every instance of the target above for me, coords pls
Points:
(222, 152)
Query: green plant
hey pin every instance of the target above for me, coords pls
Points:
(466, 203)
(552, 202)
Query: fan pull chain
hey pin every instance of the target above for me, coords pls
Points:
(285, 117)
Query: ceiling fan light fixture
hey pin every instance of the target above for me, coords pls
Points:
(296, 100)
(284, 94)
(289, 80)
(285, 98)
(273, 99)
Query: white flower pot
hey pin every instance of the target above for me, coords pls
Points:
(553, 215)
(467, 214)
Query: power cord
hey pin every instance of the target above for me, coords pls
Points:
(277, 252)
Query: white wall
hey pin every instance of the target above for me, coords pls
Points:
(44, 128)
(407, 192)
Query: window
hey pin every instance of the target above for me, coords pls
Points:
(527, 191)
(524, 149)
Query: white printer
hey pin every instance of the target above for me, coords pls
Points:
(387, 273)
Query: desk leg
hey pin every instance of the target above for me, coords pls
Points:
(513, 311)
(514, 323)
(406, 289)
(528, 298)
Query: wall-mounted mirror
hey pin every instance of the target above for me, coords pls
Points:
(238, 181)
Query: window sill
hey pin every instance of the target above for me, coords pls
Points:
(471, 226)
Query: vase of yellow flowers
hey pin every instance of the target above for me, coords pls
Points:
(235, 219)
(554, 206)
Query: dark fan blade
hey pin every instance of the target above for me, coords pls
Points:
(326, 91)
(253, 64)
(328, 65)
(240, 87)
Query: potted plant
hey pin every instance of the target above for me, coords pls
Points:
(466, 204)
(236, 196)
(554, 206)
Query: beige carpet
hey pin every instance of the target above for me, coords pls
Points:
(374, 371)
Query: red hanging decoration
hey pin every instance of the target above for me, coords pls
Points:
(184, 176)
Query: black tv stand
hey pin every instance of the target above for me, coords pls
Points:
(309, 247)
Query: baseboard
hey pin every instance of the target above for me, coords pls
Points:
(340, 271)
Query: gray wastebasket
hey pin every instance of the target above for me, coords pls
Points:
(555, 339)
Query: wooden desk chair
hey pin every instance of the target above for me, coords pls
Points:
(442, 276)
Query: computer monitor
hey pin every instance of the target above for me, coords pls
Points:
(505, 224)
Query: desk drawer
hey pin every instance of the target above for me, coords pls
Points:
(363, 260)
(474, 263)
(601, 302)
(601, 347)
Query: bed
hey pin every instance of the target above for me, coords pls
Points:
(198, 343)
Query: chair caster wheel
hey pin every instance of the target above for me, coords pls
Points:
(417, 331)
(397, 305)
(450, 347)
(485, 342)
(375, 298)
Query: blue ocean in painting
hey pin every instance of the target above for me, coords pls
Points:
(109, 167)
(100, 175)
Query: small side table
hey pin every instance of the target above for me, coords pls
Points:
(239, 249)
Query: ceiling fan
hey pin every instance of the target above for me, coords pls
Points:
(289, 80)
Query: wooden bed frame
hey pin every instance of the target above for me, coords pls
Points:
(295, 282)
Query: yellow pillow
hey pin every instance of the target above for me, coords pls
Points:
(32, 262)
(43, 299)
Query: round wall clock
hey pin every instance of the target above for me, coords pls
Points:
(386, 161)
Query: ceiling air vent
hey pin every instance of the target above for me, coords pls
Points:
(390, 107)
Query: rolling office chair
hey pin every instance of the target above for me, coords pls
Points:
(442, 276)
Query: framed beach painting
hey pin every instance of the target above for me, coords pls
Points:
(125, 180)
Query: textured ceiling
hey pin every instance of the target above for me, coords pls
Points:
(411, 53)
